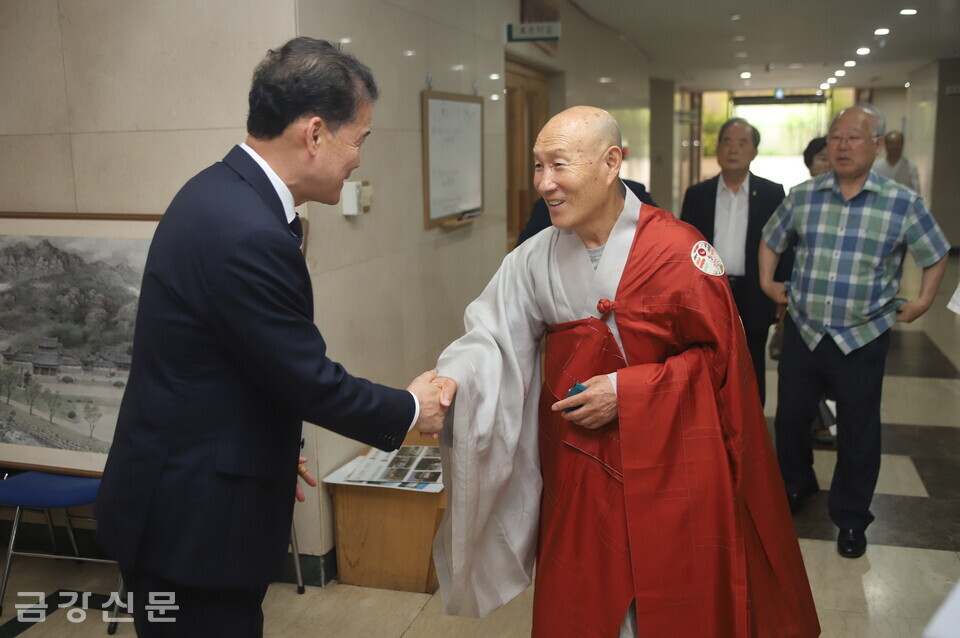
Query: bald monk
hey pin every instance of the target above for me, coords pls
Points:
(651, 500)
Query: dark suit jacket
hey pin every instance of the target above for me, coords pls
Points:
(199, 484)
(699, 209)
(540, 214)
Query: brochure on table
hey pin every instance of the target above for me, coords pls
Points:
(412, 467)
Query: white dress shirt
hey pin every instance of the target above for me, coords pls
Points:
(730, 226)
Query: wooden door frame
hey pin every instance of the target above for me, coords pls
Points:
(527, 110)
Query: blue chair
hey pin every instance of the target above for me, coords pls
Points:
(44, 491)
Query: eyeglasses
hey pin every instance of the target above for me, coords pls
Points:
(852, 140)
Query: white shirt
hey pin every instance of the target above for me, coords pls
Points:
(730, 226)
(286, 198)
(903, 172)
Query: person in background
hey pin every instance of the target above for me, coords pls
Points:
(896, 165)
(852, 230)
(650, 499)
(540, 216)
(197, 496)
(730, 210)
(816, 157)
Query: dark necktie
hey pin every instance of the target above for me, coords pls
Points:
(296, 229)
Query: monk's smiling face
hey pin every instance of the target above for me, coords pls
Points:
(573, 171)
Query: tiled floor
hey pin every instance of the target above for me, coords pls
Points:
(912, 562)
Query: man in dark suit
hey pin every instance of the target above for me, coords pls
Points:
(540, 215)
(730, 210)
(198, 491)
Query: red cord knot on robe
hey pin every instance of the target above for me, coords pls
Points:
(605, 307)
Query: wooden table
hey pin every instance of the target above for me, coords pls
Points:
(384, 536)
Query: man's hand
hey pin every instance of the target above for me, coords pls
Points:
(306, 476)
(781, 311)
(910, 310)
(434, 399)
(448, 390)
(598, 404)
(776, 290)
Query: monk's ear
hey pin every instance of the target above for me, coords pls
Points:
(613, 159)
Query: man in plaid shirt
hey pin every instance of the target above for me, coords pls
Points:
(853, 228)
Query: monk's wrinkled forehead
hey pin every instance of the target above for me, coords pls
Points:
(578, 130)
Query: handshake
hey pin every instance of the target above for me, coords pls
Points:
(435, 395)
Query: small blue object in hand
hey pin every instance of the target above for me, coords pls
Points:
(576, 389)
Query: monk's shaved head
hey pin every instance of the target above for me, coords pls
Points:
(591, 127)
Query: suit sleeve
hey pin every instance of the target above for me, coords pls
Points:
(262, 301)
(688, 208)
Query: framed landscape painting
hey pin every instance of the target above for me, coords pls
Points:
(69, 288)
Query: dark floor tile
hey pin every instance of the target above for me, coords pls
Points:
(901, 521)
(914, 354)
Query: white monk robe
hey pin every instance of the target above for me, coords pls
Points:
(486, 545)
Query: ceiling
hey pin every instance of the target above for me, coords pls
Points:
(695, 42)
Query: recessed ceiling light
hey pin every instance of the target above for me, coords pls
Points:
(906, 85)
(881, 31)
(839, 73)
(457, 67)
(849, 63)
(908, 12)
(831, 80)
(735, 17)
(863, 50)
(494, 76)
(740, 54)
(495, 97)
(739, 38)
(606, 80)
(345, 40)
(794, 65)
(824, 86)
(746, 75)
(409, 53)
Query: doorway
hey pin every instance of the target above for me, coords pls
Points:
(527, 112)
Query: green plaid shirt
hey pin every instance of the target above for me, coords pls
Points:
(850, 253)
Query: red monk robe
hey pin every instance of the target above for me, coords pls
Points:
(679, 505)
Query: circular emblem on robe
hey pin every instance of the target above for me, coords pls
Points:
(706, 258)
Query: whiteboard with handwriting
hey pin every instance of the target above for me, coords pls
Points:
(453, 155)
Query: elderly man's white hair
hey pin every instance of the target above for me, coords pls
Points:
(876, 117)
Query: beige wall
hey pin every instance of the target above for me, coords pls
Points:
(944, 187)
(922, 115)
(109, 106)
(893, 104)
(663, 128)
(935, 128)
